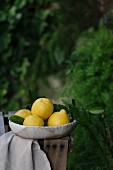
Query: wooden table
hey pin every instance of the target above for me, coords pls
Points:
(55, 149)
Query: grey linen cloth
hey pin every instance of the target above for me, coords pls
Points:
(17, 153)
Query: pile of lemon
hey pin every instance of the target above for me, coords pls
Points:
(41, 114)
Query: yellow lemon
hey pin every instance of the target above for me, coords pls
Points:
(59, 118)
(33, 120)
(23, 113)
(43, 107)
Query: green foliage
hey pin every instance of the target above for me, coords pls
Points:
(91, 69)
(24, 34)
(107, 20)
(93, 141)
(36, 37)
(90, 82)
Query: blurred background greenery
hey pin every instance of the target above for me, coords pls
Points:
(59, 49)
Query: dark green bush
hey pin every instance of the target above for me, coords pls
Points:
(26, 31)
(90, 82)
(107, 20)
(36, 37)
(92, 149)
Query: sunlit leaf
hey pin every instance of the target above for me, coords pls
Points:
(96, 110)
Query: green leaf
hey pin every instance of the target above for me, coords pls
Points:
(45, 13)
(96, 110)
(12, 11)
(32, 96)
(73, 111)
(84, 119)
(20, 4)
(73, 102)
(16, 119)
(58, 107)
(28, 107)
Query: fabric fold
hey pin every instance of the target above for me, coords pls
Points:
(17, 153)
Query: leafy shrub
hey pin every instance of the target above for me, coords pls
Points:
(24, 51)
(93, 139)
(90, 74)
(36, 37)
(107, 20)
(90, 82)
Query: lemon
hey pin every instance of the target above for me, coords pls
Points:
(59, 118)
(43, 107)
(23, 113)
(33, 120)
